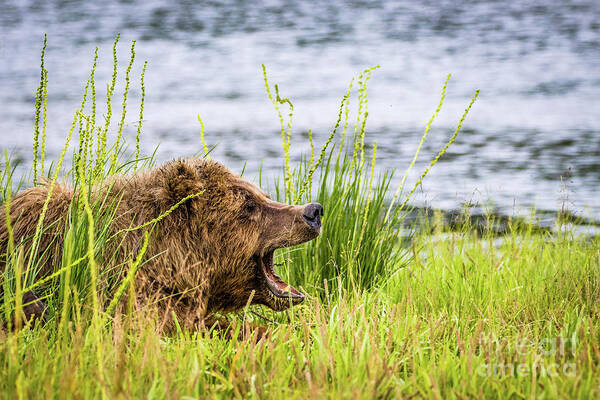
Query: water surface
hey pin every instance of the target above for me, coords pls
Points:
(532, 139)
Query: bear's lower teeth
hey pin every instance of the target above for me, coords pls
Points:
(276, 285)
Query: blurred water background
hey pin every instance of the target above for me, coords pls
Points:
(531, 140)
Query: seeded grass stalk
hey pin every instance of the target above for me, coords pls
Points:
(40, 103)
(441, 152)
(285, 135)
(139, 128)
(84, 131)
(114, 155)
(45, 117)
(346, 107)
(101, 154)
(90, 120)
(311, 166)
(367, 73)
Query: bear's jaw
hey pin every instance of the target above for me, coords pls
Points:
(275, 285)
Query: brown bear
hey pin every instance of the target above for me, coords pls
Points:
(214, 252)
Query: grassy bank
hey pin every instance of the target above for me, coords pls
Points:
(389, 314)
(466, 318)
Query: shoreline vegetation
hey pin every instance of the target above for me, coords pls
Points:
(401, 302)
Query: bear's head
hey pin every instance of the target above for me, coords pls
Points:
(230, 231)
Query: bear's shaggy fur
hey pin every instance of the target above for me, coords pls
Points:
(212, 253)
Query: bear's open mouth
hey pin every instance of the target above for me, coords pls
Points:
(276, 285)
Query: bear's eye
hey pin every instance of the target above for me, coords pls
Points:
(250, 206)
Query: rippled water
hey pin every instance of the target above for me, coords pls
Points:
(537, 64)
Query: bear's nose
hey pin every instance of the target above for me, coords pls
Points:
(313, 210)
(312, 214)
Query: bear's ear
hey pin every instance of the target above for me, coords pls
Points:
(179, 179)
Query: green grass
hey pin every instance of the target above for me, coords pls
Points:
(461, 308)
(434, 314)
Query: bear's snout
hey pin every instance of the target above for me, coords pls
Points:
(312, 215)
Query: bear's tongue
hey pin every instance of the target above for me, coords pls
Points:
(277, 286)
